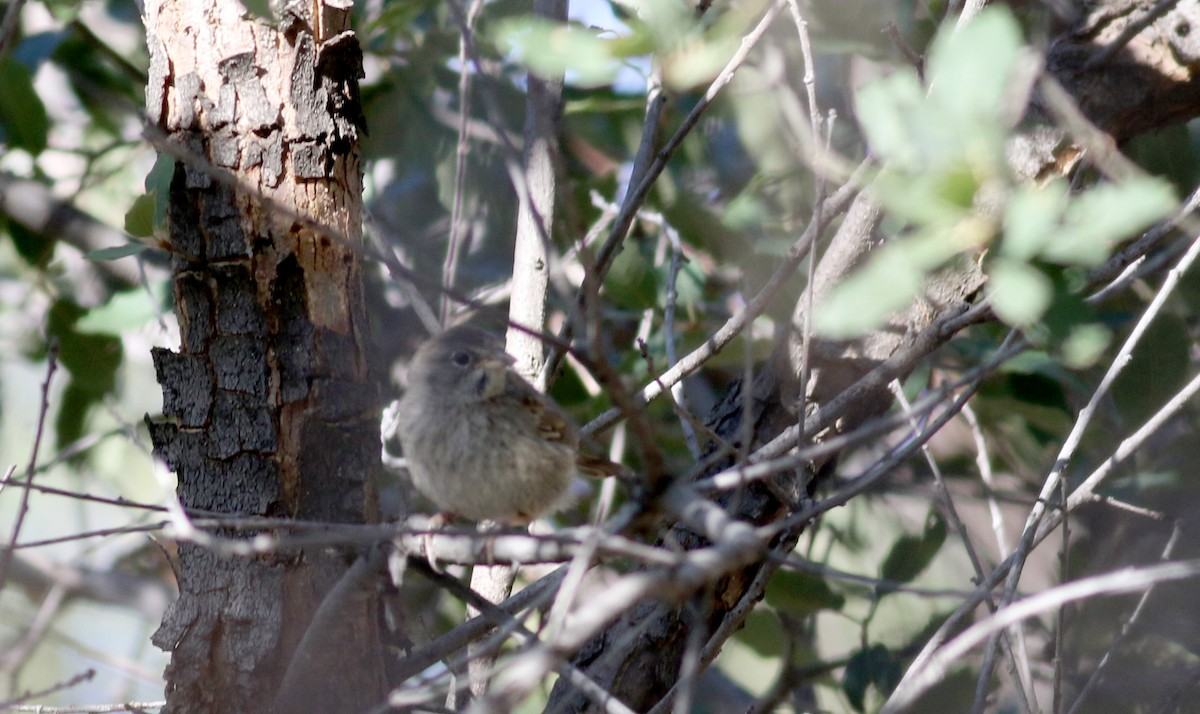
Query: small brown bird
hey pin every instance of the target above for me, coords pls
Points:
(480, 441)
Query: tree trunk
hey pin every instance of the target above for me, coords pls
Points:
(271, 409)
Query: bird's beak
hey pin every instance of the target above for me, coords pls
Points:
(497, 361)
(495, 368)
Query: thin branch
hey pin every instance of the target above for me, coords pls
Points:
(1131, 30)
(969, 11)
(450, 266)
(1119, 582)
(8, 27)
(15, 704)
(1073, 439)
(1126, 628)
(132, 707)
(1086, 489)
(834, 206)
(6, 552)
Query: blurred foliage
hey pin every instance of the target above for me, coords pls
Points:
(736, 196)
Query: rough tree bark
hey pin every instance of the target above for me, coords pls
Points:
(1149, 81)
(270, 406)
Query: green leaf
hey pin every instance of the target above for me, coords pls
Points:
(970, 68)
(1031, 219)
(22, 114)
(697, 63)
(911, 554)
(1105, 215)
(864, 300)
(891, 112)
(763, 634)
(1019, 293)
(800, 594)
(116, 252)
(158, 184)
(139, 219)
(91, 360)
(1085, 345)
(124, 310)
(64, 10)
(551, 49)
(873, 666)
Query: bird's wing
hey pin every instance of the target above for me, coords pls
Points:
(550, 422)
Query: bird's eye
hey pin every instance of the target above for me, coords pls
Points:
(462, 359)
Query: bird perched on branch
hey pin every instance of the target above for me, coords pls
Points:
(480, 441)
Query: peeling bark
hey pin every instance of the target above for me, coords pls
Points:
(269, 402)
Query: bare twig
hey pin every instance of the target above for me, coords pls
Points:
(450, 267)
(8, 27)
(1126, 580)
(1073, 439)
(6, 552)
(15, 704)
(1126, 627)
(835, 205)
(1162, 7)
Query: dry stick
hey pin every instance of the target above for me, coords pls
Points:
(640, 187)
(1126, 627)
(695, 612)
(1017, 650)
(984, 464)
(1084, 419)
(1124, 266)
(794, 562)
(780, 454)
(735, 618)
(985, 473)
(15, 704)
(6, 552)
(940, 330)
(535, 596)
(38, 627)
(835, 205)
(738, 548)
(136, 707)
(1060, 636)
(1125, 580)
(1086, 489)
(8, 27)
(536, 211)
(100, 533)
(678, 393)
(969, 11)
(1131, 30)
(939, 480)
(867, 479)
(509, 626)
(1082, 493)
(450, 267)
(1019, 659)
(530, 284)
(736, 545)
(633, 200)
(121, 501)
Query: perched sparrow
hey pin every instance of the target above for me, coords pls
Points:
(480, 441)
